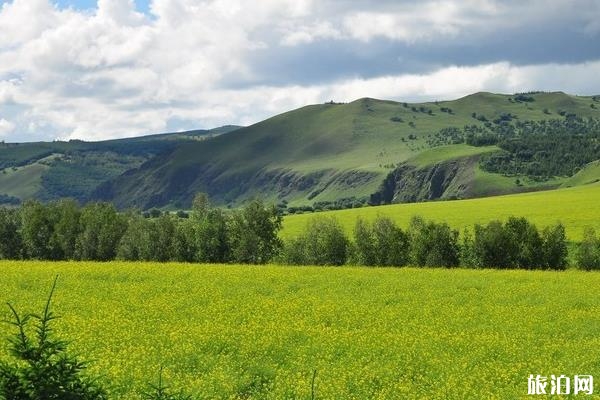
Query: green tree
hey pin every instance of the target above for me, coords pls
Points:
(364, 243)
(37, 229)
(101, 231)
(526, 239)
(253, 233)
(468, 257)
(11, 243)
(134, 244)
(381, 243)
(588, 253)
(184, 241)
(433, 244)
(163, 229)
(555, 247)
(66, 227)
(323, 242)
(203, 237)
(493, 246)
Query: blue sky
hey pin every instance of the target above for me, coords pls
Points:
(141, 5)
(87, 70)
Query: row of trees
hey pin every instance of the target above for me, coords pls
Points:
(514, 244)
(63, 231)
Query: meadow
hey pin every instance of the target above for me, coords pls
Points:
(575, 207)
(259, 332)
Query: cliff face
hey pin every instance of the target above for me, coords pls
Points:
(444, 180)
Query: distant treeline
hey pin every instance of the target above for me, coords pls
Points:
(97, 232)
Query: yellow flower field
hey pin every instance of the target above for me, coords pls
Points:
(259, 332)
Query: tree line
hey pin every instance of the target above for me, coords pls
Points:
(516, 243)
(63, 230)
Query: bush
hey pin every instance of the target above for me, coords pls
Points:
(492, 246)
(588, 253)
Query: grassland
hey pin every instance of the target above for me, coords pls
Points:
(575, 207)
(589, 174)
(25, 181)
(241, 332)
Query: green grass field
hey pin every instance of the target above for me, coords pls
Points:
(258, 332)
(23, 182)
(589, 174)
(575, 207)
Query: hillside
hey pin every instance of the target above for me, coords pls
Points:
(369, 151)
(50, 170)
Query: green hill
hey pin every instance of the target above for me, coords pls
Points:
(50, 170)
(371, 150)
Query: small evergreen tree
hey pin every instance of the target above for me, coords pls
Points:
(43, 369)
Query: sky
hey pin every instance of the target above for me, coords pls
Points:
(93, 70)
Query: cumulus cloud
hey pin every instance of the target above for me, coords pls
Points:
(113, 71)
(6, 127)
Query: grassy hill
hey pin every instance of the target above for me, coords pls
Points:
(326, 152)
(366, 151)
(575, 207)
(50, 170)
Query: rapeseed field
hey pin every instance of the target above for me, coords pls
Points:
(260, 332)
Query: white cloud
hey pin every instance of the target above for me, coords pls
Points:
(309, 33)
(113, 71)
(6, 127)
